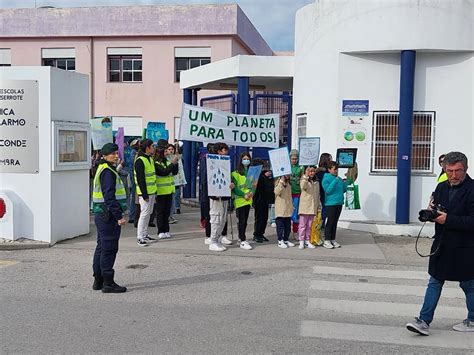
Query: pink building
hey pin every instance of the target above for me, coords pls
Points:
(133, 55)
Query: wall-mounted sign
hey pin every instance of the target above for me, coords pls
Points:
(355, 120)
(19, 149)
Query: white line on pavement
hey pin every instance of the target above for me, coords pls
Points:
(392, 274)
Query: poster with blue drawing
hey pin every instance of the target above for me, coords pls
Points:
(218, 175)
(280, 161)
(252, 177)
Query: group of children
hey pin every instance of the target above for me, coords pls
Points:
(297, 198)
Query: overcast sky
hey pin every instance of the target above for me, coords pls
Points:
(274, 19)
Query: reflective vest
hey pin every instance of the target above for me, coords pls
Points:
(98, 203)
(150, 176)
(241, 183)
(165, 184)
(443, 177)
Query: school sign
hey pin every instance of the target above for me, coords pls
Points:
(201, 124)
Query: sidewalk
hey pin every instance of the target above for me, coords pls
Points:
(188, 239)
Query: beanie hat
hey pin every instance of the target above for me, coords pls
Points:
(109, 148)
(294, 152)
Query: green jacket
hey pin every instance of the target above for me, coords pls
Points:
(296, 173)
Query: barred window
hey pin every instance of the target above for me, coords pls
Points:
(302, 119)
(385, 142)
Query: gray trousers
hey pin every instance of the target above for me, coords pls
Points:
(218, 217)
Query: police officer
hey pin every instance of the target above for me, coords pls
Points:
(109, 203)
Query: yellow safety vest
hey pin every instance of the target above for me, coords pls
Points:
(165, 184)
(150, 176)
(97, 196)
(443, 177)
(241, 184)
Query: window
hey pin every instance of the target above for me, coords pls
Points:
(301, 119)
(5, 57)
(60, 63)
(181, 64)
(385, 142)
(125, 68)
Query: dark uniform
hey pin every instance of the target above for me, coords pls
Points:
(109, 204)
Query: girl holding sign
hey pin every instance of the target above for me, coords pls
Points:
(296, 173)
(283, 211)
(242, 198)
(309, 204)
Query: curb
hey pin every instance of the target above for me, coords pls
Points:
(22, 244)
(191, 202)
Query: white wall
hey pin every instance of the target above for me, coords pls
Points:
(351, 50)
(55, 205)
(69, 189)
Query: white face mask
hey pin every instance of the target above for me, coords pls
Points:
(246, 162)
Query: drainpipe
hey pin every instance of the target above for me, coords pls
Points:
(187, 99)
(91, 44)
(405, 124)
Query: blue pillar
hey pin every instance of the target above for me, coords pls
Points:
(187, 154)
(194, 152)
(405, 124)
(289, 99)
(243, 107)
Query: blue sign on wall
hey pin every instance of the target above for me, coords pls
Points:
(355, 107)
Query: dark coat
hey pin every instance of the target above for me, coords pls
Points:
(454, 260)
(264, 194)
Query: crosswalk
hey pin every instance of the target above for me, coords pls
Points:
(373, 305)
(5, 263)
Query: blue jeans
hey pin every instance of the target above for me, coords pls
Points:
(433, 293)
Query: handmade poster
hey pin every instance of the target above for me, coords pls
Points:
(180, 178)
(252, 177)
(346, 157)
(200, 124)
(355, 121)
(280, 161)
(119, 140)
(156, 131)
(309, 151)
(101, 131)
(218, 175)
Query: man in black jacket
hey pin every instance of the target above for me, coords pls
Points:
(452, 252)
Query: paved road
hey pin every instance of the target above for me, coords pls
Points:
(184, 299)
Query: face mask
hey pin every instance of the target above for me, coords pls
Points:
(246, 162)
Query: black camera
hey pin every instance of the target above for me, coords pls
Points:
(430, 215)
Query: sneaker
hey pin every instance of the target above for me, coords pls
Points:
(465, 326)
(320, 242)
(419, 326)
(172, 220)
(245, 245)
(216, 247)
(290, 244)
(273, 225)
(258, 239)
(149, 238)
(225, 241)
(335, 244)
(207, 241)
(142, 243)
(309, 245)
(265, 239)
(328, 245)
(162, 236)
(301, 246)
(282, 244)
(167, 235)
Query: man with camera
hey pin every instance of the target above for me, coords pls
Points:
(452, 252)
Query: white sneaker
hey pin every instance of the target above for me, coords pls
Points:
(335, 244)
(290, 244)
(225, 241)
(162, 236)
(328, 245)
(245, 245)
(216, 247)
(301, 246)
(273, 225)
(282, 244)
(168, 235)
(320, 242)
(207, 241)
(309, 245)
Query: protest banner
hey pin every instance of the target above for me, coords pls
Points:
(252, 177)
(119, 140)
(200, 124)
(218, 175)
(180, 178)
(309, 151)
(280, 161)
(156, 131)
(101, 131)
